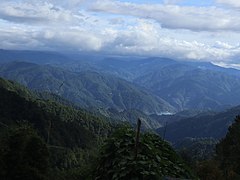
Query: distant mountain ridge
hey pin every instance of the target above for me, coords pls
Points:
(183, 85)
(39, 57)
(204, 125)
(86, 89)
(186, 88)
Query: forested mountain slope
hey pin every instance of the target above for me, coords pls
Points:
(213, 125)
(86, 89)
(193, 88)
(56, 123)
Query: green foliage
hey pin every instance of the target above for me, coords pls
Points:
(24, 155)
(155, 158)
(187, 86)
(130, 116)
(207, 124)
(16, 88)
(196, 149)
(72, 135)
(58, 124)
(85, 89)
(209, 170)
(226, 164)
(228, 151)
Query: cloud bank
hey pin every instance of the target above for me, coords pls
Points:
(175, 16)
(206, 33)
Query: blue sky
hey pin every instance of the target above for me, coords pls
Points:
(204, 30)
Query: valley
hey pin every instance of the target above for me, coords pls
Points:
(119, 90)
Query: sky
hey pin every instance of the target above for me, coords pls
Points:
(196, 30)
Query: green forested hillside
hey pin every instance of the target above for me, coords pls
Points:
(213, 125)
(187, 87)
(42, 139)
(130, 116)
(71, 135)
(225, 165)
(196, 149)
(86, 89)
(228, 152)
(23, 154)
(18, 104)
(184, 85)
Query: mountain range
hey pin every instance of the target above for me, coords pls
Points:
(86, 89)
(193, 88)
(45, 139)
(177, 85)
(204, 125)
(185, 85)
(126, 88)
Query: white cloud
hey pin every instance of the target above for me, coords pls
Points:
(176, 17)
(171, 1)
(28, 13)
(16, 37)
(233, 3)
(228, 65)
(182, 32)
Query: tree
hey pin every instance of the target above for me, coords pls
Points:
(24, 155)
(155, 158)
(228, 151)
(209, 170)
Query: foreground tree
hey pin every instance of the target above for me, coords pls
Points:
(24, 155)
(155, 158)
(228, 152)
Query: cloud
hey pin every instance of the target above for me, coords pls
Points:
(114, 27)
(233, 3)
(172, 1)
(72, 39)
(15, 37)
(46, 12)
(176, 17)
